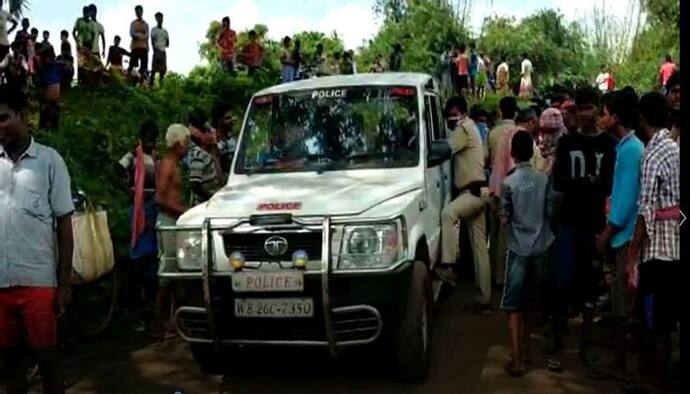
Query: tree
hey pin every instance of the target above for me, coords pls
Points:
(271, 65)
(663, 11)
(424, 28)
(309, 40)
(557, 50)
(17, 7)
(391, 10)
(209, 48)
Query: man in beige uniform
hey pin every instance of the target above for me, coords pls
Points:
(465, 143)
(497, 241)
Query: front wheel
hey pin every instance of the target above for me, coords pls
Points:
(413, 334)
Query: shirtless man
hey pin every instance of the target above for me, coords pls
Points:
(169, 200)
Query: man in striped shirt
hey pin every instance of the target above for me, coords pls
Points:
(658, 276)
(205, 170)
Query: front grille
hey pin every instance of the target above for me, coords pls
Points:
(355, 325)
(251, 245)
(193, 324)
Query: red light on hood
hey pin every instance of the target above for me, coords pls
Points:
(402, 92)
(279, 206)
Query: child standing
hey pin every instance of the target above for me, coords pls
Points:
(525, 209)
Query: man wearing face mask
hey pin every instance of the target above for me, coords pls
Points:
(466, 145)
(583, 174)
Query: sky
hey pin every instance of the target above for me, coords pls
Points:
(187, 20)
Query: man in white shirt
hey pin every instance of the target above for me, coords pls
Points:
(526, 87)
(5, 17)
(602, 80)
(160, 40)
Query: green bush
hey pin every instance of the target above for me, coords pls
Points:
(101, 124)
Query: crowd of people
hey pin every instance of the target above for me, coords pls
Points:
(28, 63)
(30, 275)
(471, 73)
(94, 65)
(564, 202)
(204, 147)
(582, 200)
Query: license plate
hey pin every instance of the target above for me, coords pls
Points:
(268, 281)
(274, 308)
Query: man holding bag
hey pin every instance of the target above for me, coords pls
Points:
(36, 199)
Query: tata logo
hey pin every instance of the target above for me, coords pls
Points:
(336, 93)
(279, 206)
(276, 246)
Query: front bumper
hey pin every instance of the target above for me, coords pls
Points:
(349, 308)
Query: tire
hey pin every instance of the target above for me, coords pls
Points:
(208, 359)
(413, 334)
(90, 324)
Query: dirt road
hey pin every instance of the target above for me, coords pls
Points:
(468, 352)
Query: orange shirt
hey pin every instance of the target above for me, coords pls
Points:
(463, 64)
(252, 54)
(227, 41)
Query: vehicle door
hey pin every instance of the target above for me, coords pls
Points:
(437, 176)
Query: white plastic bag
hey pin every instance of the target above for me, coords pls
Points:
(93, 249)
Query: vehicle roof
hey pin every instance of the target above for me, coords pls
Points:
(383, 79)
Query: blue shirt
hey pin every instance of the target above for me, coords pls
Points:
(626, 188)
(483, 131)
(34, 191)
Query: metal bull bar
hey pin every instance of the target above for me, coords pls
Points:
(207, 271)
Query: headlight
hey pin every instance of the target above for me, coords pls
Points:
(189, 251)
(371, 246)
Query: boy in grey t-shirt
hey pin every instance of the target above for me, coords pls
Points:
(525, 210)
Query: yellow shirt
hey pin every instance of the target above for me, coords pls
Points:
(496, 136)
(466, 145)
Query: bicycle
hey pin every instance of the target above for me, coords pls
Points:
(93, 304)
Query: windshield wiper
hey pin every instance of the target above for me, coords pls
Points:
(323, 163)
(371, 155)
(261, 168)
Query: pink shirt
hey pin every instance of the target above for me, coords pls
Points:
(503, 162)
(463, 64)
(666, 71)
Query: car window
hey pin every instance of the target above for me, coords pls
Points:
(438, 118)
(338, 128)
(435, 127)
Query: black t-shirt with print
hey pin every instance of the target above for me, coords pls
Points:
(583, 173)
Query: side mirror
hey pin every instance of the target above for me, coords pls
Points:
(439, 152)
